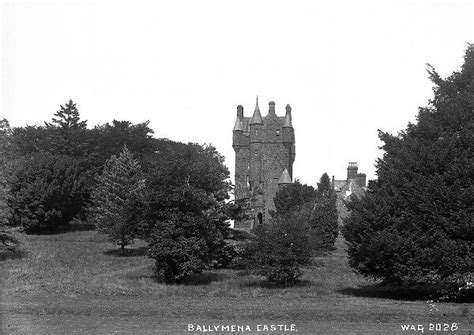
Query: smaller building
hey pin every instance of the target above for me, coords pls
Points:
(355, 184)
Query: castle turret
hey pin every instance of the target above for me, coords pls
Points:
(289, 137)
(256, 136)
(287, 126)
(285, 179)
(238, 128)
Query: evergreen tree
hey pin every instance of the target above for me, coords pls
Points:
(291, 197)
(67, 135)
(279, 250)
(45, 191)
(117, 197)
(186, 216)
(323, 221)
(414, 225)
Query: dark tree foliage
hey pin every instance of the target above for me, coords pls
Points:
(324, 185)
(7, 241)
(66, 134)
(185, 212)
(323, 221)
(292, 197)
(117, 198)
(108, 140)
(279, 250)
(30, 139)
(45, 191)
(321, 204)
(414, 225)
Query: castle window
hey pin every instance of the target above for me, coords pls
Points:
(278, 132)
(260, 218)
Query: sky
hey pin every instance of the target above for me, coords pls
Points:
(347, 68)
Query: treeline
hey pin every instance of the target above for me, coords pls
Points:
(170, 194)
(117, 176)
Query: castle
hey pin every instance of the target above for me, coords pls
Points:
(264, 155)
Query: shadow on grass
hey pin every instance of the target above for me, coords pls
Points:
(72, 227)
(5, 255)
(142, 251)
(271, 285)
(415, 293)
(204, 278)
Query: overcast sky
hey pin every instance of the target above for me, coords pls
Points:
(347, 68)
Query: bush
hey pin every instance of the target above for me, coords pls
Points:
(280, 248)
(183, 246)
(45, 192)
(414, 224)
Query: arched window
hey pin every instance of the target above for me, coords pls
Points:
(260, 218)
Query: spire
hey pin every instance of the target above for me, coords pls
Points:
(287, 121)
(257, 117)
(285, 178)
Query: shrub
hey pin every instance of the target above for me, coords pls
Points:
(280, 248)
(45, 191)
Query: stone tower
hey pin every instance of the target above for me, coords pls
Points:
(264, 155)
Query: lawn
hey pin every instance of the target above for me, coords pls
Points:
(74, 282)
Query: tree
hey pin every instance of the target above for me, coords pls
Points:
(7, 241)
(108, 139)
(45, 191)
(117, 197)
(186, 217)
(67, 135)
(279, 249)
(323, 221)
(292, 196)
(414, 224)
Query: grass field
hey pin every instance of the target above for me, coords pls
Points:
(74, 283)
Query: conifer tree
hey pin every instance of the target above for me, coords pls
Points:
(67, 133)
(324, 225)
(414, 225)
(117, 197)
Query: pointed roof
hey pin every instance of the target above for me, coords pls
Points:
(287, 121)
(238, 125)
(257, 117)
(285, 178)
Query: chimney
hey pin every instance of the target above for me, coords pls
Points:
(271, 109)
(352, 170)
